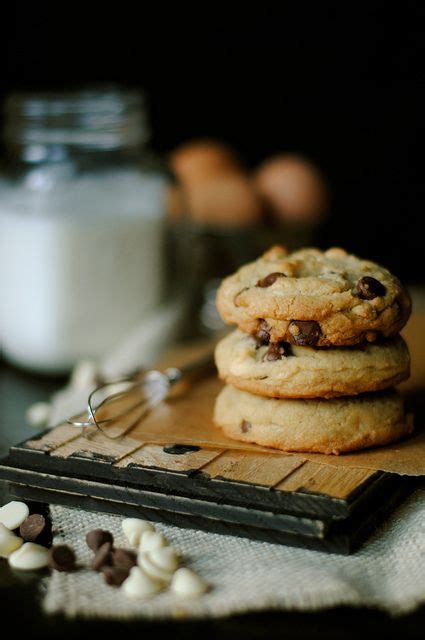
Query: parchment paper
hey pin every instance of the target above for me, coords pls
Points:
(189, 419)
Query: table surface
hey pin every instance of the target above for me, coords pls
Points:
(20, 593)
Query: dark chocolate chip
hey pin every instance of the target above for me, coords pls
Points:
(245, 426)
(124, 558)
(115, 576)
(180, 449)
(33, 527)
(103, 557)
(262, 334)
(270, 279)
(277, 351)
(61, 557)
(304, 332)
(97, 538)
(369, 288)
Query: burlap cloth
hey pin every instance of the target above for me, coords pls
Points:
(388, 572)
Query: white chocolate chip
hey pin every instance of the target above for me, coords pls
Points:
(84, 375)
(13, 514)
(152, 540)
(38, 414)
(8, 542)
(144, 561)
(140, 585)
(186, 582)
(165, 558)
(30, 556)
(133, 529)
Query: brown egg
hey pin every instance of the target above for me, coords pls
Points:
(198, 160)
(293, 188)
(224, 201)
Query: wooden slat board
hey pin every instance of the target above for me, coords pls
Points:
(177, 466)
(96, 446)
(54, 438)
(319, 478)
(286, 473)
(342, 537)
(278, 498)
(65, 448)
(153, 455)
(258, 469)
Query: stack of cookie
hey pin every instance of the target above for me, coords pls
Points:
(315, 357)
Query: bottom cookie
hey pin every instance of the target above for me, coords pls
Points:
(316, 425)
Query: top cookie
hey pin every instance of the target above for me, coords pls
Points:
(315, 298)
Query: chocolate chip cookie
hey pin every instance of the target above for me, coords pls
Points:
(314, 298)
(323, 426)
(281, 370)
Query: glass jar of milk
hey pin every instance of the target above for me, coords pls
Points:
(82, 217)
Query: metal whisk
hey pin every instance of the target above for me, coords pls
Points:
(129, 400)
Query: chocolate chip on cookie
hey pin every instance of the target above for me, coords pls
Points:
(262, 335)
(304, 332)
(245, 426)
(368, 288)
(310, 372)
(277, 351)
(331, 426)
(270, 279)
(322, 286)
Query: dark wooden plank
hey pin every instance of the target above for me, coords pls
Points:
(341, 542)
(180, 504)
(194, 484)
(340, 545)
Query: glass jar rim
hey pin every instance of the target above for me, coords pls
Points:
(100, 117)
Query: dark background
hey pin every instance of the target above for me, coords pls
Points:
(340, 82)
